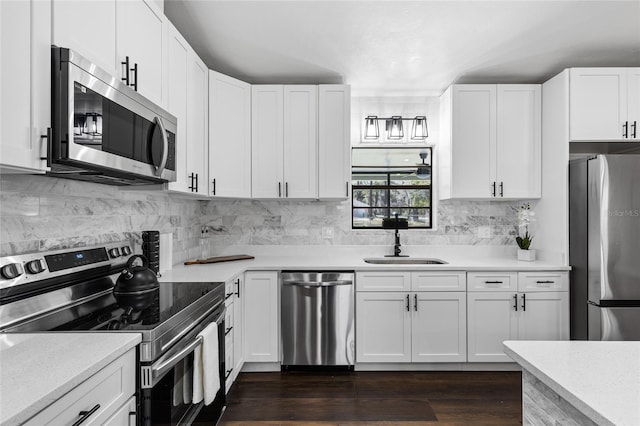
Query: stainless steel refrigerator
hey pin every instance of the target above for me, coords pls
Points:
(604, 247)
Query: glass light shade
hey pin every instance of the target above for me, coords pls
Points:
(371, 127)
(419, 130)
(395, 128)
(92, 124)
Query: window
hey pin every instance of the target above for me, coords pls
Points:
(389, 181)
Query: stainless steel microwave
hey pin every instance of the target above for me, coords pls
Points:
(103, 131)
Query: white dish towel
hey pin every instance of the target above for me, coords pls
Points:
(206, 375)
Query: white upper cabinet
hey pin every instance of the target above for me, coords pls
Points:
(107, 31)
(197, 124)
(604, 104)
(267, 141)
(140, 27)
(187, 99)
(89, 28)
(491, 142)
(284, 142)
(25, 84)
(334, 130)
(519, 140)
(229, 136)
(177, 71)
(300, 141)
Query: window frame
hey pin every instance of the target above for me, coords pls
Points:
(388, 188)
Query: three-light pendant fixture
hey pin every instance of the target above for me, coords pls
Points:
(394, 129)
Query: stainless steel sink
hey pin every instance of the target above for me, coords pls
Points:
(404, 261)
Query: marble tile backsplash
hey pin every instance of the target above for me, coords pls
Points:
(44, 213)
(251, 222)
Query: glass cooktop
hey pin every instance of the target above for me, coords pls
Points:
(139, 312)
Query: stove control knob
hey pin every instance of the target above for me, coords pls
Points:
(35, 266)
(114, 252)
(12, 270)
(126, 251)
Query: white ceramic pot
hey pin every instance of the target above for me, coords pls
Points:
(526, 255)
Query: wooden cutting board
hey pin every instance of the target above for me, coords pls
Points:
(218, 259)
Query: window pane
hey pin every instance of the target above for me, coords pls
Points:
(415, 217)
(369, 179)
(410, 197)
(370, 197)
(369, 218)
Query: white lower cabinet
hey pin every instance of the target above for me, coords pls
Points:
(104, 398)
(234, 357)
(538, 310)
(383, 327)
(438, 328)
(261, 313)
(126, 415)
(418, 326)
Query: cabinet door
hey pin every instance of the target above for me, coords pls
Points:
(126, 415)
(518, 139)
(543, 316)
(633, 102)
(89, 28)
(261, 309)
(238, 327)
(229, 136)
(25, 84)
(334, 146)
(383, 327)
(439, 327)
(198, 127)
(491, 319)
(300, 142)
(598, 103)
(177, 70)
(139, 30)
(266, 141)
(473, 134)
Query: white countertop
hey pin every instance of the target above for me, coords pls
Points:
(36, 369)
(350, 258)
(601, 379)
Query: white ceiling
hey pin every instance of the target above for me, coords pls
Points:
(407, 47)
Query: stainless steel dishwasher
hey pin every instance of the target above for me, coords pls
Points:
(317, 318)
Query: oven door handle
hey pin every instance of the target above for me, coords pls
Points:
(161, 366)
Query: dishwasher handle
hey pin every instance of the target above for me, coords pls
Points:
(318, 283)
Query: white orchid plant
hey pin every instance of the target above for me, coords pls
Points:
(525, 218)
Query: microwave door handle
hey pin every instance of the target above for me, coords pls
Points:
(160, 367)
(165, 147)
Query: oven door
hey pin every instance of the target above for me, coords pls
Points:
(166, 384)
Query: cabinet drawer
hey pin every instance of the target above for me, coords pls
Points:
(109, 389)
(228, 319)
(492, 281)
(383, 281)
(438, 281)
(543, 281)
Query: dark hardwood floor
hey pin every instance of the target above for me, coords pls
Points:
(375, 398)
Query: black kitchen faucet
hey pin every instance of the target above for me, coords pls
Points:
(397, 224)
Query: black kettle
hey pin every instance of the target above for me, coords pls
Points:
(136, 286)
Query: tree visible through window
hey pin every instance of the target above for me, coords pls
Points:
(386, 181)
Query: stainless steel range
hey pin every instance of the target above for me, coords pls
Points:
(72, 290)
